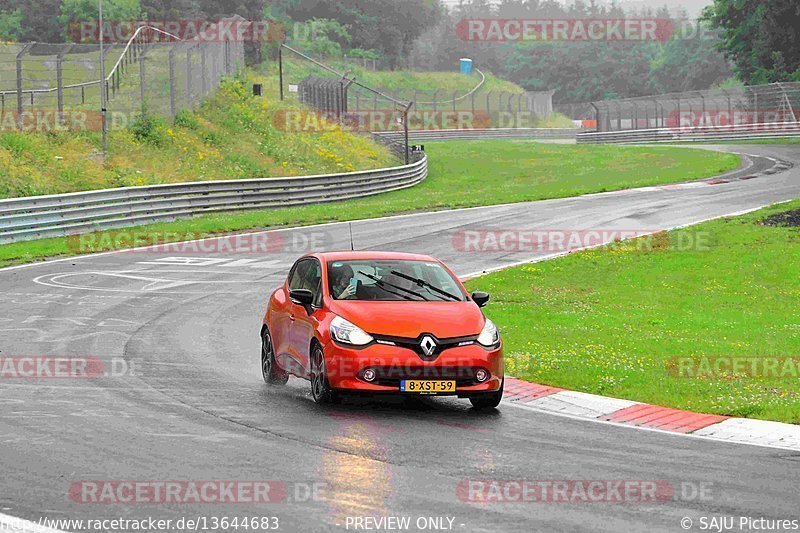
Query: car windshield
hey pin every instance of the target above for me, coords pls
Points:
(387, 280)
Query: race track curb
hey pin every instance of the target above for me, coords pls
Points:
(653, 417)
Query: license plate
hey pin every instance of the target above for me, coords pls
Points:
(427, 386)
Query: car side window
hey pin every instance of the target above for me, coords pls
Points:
(307, 274)
(297, 277)
(317, 281)
(313, 279)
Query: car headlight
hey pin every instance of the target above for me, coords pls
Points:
(349, 333)
(489, 336)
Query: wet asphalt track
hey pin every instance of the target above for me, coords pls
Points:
(197, 408)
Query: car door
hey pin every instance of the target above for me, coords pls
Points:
(282, 318)
(301, 323)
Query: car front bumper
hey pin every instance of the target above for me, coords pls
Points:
(346, 366)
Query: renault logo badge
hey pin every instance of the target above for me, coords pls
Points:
(428, 345)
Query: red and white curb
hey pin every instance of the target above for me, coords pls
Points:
(651, 417)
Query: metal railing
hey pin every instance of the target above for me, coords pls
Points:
(74, 213)
(739, 132)
(481, 134)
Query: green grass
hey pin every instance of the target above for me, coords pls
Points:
(611, 321)
(233, 135)
(462, 174)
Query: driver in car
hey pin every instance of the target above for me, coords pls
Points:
(342, 287)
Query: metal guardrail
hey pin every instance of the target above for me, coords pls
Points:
(74, 213)
(481, 134)
(739, 132)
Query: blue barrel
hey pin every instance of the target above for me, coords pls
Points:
(466, 66)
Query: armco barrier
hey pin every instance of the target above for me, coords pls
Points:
(481, 134)
(738, 132)
(65, 214)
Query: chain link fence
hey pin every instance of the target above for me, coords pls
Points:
(337, 93)
(757, 104)
(45, 87)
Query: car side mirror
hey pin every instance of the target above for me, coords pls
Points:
(480, 298)
(302, 297)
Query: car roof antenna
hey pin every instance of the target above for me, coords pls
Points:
(352, 246)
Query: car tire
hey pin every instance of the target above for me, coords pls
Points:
(488, 401)
(320, 386)
(270, 372)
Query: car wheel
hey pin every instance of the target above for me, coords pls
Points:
(269, 369)
(320, 387)
(488, 401)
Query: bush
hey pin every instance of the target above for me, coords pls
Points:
(187, 119)
(148, 130)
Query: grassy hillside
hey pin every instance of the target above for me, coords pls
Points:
(233, 135)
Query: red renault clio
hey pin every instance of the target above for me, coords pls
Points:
(381, 322)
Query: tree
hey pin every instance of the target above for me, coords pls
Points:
(10, 25)
(87, 10)
(39, 19)
(325, 37)
(687, 63)
(388, 26)
(761, 38)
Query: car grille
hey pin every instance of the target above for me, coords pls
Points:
(415, 344)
